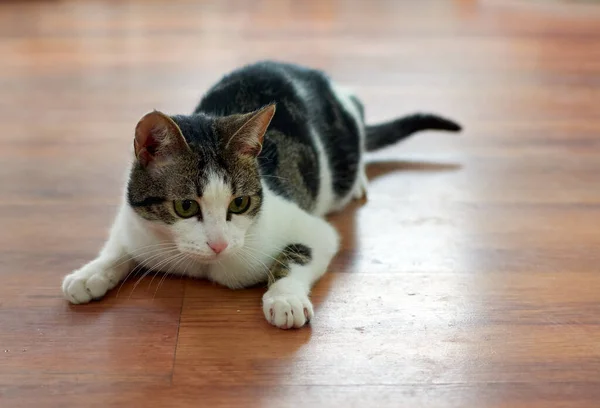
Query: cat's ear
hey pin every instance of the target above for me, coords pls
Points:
(157, 137)
(249, 131)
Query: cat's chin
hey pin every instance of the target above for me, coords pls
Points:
(206, 259)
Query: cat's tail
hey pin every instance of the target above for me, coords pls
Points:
(385, 134)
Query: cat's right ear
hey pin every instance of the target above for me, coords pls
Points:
(157, 137)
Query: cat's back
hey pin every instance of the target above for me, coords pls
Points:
(253, 86)
(309, 128)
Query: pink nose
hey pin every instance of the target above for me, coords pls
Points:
(217, 247)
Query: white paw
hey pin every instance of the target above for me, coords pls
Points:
(360, 193)
(360, 190)
(88, 283)
(287, 310)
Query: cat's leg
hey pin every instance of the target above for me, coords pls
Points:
(312, 245)
(360, 188)
(94, 279)
(354, 107)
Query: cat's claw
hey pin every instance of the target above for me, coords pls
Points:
(287, 310)
(88, 283)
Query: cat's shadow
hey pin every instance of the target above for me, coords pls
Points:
(377, 169)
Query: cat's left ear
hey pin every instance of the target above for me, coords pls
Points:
(249, 131)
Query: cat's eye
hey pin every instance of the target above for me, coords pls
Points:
(186, 208)
(239, 205)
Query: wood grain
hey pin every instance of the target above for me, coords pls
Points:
(469, 278)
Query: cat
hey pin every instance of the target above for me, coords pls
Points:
(237, 191)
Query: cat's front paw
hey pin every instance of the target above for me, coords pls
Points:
(88, 283)
(287, 310)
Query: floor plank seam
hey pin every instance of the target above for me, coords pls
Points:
(177, 338)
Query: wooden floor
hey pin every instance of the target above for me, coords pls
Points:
(471, 277)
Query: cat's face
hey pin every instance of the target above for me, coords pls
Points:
(204, 193)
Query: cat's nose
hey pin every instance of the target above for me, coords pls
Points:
(218, 246)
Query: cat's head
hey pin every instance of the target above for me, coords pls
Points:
(195, 179)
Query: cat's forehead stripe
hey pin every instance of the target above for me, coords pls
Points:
(211, 175)
(216, 188)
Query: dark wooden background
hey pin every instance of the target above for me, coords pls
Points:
(471, 277)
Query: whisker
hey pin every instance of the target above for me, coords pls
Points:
(190, 262)
(269, 256)
(137, 251)
(267, 269)
(272, 176)
(143, 264)
(165, 274)
(154, 276)
(239, 258)
(156, 267)
(133, 254)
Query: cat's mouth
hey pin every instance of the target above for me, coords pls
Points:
(203, 257)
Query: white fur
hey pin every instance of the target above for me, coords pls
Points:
(182, 249)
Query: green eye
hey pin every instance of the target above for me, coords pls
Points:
(239, 205)
(186, 208)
